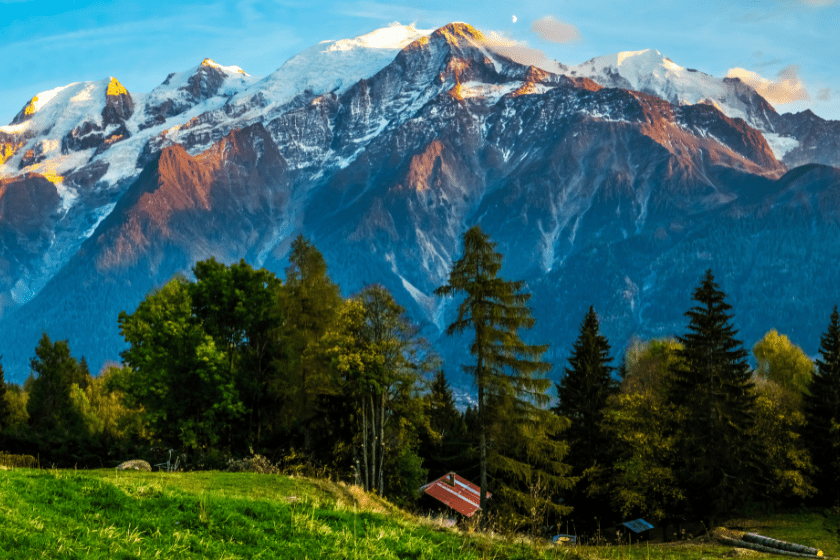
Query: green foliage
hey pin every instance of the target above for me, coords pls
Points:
(448, 445)
(822, 415)
(719, 463)
(641, 480)
(178, 374)
(778, 423)
(781, 361)
(16, 400)
(236, 306)
(516, 430)
(309, 303)
(55, 372)
(379, 360)
(582, 395)
(648, 366)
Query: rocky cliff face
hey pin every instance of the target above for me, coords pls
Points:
(602, 196)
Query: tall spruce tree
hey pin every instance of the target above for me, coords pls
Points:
(5, 412)
(512, 393)
(583, 395)
(822, 415)
(719, 467)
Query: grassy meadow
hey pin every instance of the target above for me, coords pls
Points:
(130, 514)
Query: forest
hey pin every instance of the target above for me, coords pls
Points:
(240, 364)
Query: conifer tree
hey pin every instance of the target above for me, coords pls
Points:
(449, 452)
(5, 413)
(512, 393)
(55, 370)
(310, 303)
(712, 387)
(583, 395)
(822, 415)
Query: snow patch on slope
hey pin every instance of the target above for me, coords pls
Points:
(780, 145)
(333, 66)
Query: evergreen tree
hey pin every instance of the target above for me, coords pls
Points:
(712, 387)
(54, 372)
(310, 302)
(448, 447)
(583, 395)
(5, 412)
(82, 375)
(822, 415)
(512, 395)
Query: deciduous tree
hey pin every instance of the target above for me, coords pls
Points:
(177, 373)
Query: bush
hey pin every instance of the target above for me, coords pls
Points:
(255, 464)
(17, 461)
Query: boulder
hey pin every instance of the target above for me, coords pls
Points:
(136, 464)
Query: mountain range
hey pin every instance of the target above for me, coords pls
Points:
(614, 183)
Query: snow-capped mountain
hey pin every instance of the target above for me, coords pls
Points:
(795, 139)
(616, 184)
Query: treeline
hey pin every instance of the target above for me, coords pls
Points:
(238, 363)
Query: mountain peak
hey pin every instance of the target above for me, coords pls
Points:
(115, 88)
(457, 30)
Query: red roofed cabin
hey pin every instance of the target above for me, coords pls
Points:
(458, 493)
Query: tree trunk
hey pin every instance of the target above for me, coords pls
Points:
(382, 445)
(366, 475)
(482, 446)
(373, 435)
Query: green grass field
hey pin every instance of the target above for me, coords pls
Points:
(115, 515)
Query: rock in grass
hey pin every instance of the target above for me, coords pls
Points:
(136, 464)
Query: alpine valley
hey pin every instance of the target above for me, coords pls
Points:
(615, 183)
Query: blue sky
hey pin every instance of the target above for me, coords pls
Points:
(46, 44)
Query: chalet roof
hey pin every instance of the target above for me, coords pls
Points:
(456, 492)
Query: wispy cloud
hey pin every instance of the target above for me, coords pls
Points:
(519, 51)
(818, 2)
(786, 88)
(554, 30)
(824, 94)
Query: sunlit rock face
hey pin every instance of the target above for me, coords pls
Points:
(383, 150)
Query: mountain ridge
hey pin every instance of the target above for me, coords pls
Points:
(384, 174)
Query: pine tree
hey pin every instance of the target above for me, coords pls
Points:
(712, 387)
(450, 452)
(512, 393)
(5, 413)
(822, 415)
(583, 395)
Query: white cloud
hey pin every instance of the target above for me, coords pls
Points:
(554, 30)
(519, 51)
(786, 88)
(514, 19)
